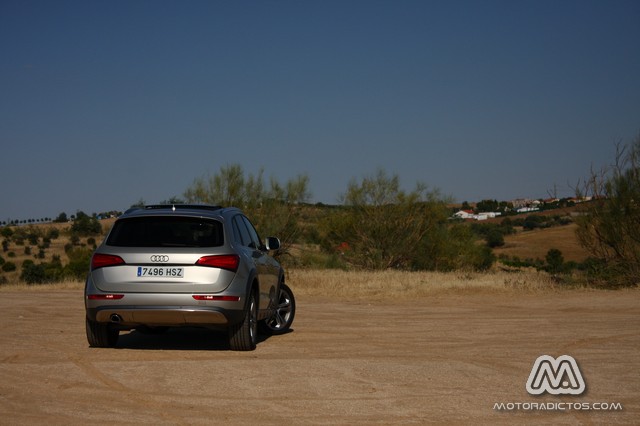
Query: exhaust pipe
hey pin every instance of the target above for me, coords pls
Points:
(115, 318)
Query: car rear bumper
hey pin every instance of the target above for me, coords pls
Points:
(173, 316)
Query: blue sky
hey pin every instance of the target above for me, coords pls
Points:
(103, 103)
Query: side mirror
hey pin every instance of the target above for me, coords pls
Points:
(272, 243)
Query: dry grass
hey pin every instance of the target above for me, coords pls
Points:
(21, 286)
(384, 285)
(535, 244)
(379, 285)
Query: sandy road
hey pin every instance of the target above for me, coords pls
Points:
(450, 359)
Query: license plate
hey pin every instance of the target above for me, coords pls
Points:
(160, 271)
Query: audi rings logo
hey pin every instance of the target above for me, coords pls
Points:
(159, 258)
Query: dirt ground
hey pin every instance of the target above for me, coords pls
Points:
(447, 359)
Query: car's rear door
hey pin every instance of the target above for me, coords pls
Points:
(266, 270)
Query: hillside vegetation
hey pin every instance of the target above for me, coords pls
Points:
(381, 226)
(536, 243)
(49, 252)
(58, 252)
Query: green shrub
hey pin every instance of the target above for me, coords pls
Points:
(79, 261)
(6, 232)
(555, 262)
(381, 226)
(43, 272)
(609, 228)
(9, 267)
(32, 273)
(84, 225)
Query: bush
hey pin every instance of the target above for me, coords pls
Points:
(382, 226)
(84, 225)
(6, 232)
(41, 273)
(32, 273)
(494, 238)
(609, 229)
(79, 261)
(62, 218)
(516, 262)
(533, 222)
(555, 261)
(53, 234)
(33, 239)
(9, 267)
(75, 239)
(493, 233)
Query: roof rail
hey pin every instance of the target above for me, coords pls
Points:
(182, 207)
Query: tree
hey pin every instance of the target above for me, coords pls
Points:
(487, 206)
(227, 187)
(610, 226)
(494, 238)
(6, 232)
(53, 233)
(555, 261)
(532, 222)
(62, 218)
(79, 260)
(85, 225)
(32, 273)
(382, 226)
(172, 200)
(8, 267)
(273, 208)
(139, 203)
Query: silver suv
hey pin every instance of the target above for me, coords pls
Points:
(186, 265)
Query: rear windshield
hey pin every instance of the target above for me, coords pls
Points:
(166, 231)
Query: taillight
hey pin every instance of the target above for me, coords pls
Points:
(100, 260)
(105, 296)
(225, 261)
(216, 298)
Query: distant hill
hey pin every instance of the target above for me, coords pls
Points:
(536, 243)
(532, 244)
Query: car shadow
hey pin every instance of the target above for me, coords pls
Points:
(178, 338)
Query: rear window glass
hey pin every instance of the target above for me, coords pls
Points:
(166, 231)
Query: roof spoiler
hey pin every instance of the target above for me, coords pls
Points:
(175, 207)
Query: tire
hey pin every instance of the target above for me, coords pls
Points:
(101, 335)
(244, 335)
(280, 322)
